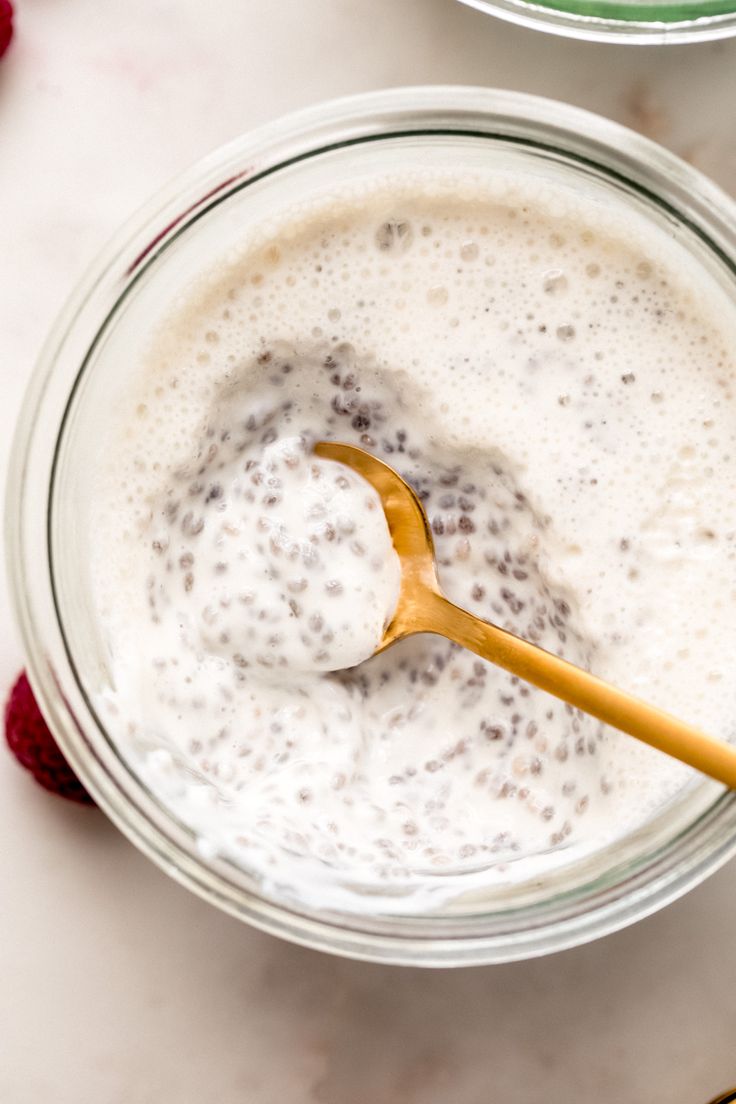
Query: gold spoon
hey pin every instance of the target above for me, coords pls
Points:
(423, 608)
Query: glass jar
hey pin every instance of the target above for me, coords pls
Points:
(81, 367)
(642, 22)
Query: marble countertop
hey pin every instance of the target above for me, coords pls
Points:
(116, 985)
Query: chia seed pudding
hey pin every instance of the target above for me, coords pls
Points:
(559, 391)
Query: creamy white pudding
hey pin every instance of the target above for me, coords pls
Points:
(557, 384)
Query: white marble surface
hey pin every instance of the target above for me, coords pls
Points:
(116, 985)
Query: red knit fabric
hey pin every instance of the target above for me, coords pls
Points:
(34, 747)
(6, 25)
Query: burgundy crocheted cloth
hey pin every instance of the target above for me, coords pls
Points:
(34, 747)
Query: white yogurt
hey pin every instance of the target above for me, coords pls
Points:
(557, 383)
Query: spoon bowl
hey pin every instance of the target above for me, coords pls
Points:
(411, 535)
(423, 608)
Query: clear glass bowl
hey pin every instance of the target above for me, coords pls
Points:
(83, 362)
(642, 22)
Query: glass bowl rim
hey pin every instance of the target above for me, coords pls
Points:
(381, 114)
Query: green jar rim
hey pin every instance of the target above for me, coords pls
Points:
(637, 12)
(630, 22)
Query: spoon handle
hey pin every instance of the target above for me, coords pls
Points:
(584, 691)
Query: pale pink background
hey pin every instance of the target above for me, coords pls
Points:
(117, 986)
